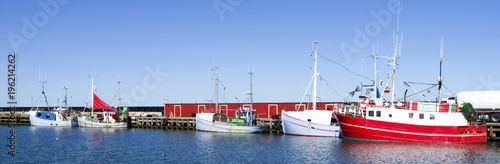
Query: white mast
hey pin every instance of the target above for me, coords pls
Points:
(397, 53)
(119, 97)
(440, 78)
(92, 95)
(251, 98)
(66, 97)
(216, 88)
(375, 87)
(315, 75)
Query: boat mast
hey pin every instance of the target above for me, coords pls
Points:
(92, 95)
(440, 78)
(119, 97)
(397, 53)
(44, 96)
(216, 89)
(315, 75)
(66, 98)
(251, 99)
(375, 87)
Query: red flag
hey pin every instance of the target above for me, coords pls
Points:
(99, 104)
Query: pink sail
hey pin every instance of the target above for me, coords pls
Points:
(99, 104)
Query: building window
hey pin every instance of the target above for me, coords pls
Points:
(432, 117)
(410, 115)
(370, 113)
(379, 113)
(421, 116)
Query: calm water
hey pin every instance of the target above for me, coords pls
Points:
(81, 145)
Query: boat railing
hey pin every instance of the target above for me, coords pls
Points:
(351, 110)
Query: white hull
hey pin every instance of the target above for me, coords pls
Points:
(90, 124)
(310, 123)
(204, 123)
(35, 121)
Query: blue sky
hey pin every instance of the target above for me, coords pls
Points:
(166, 49)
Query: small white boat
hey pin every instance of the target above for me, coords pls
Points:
(216, 122)
(44, 118)
(310, 123)
(53, 118)
(205, 122)
(109, 120)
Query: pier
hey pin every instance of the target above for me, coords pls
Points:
(5, 119)
(189, 123)
(493, 129)
(161, 122)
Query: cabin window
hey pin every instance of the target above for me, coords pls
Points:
(379, 113)
(370, 113)
(47, 115)
(431, 117)
(421, 116)
(410, 115)
(38, 115)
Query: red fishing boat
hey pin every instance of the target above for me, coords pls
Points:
(373, 121)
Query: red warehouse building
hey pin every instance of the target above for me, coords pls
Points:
(263, 110)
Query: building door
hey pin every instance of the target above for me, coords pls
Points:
(177, 111)
(272, 109)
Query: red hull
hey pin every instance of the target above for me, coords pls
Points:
(366, 129)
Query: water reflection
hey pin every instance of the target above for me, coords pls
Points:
(86, 145)
(233, 147)
(410, 152)
(310, 149)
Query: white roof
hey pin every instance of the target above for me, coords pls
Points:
(480, 99)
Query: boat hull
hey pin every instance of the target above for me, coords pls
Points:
(374, 130)
(300, 127)
(90, 124)
(35, 121)
(204, 124)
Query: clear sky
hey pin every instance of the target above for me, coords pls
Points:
(164, 51)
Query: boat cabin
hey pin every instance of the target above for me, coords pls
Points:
(46, 115)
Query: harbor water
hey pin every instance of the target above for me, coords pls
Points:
(85, 145)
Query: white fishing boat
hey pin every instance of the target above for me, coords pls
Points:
(218, 122)
(50, 118)
(310, 123)
(109, 119)
(214, 122)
